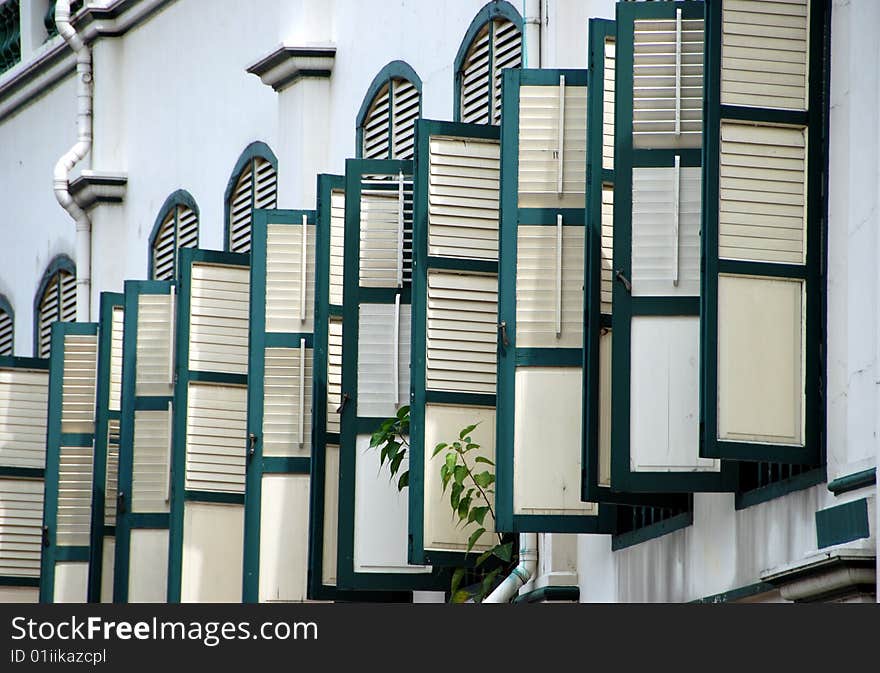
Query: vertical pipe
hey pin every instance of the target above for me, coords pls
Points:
(532, 33)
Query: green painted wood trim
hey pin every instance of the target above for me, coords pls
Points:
(738, 594)
(842, 523)
(256, 149)
(393, 70)
(214, 497)
(179, 197)
(778, 489)
(148, 520)
(59, 263)
(489, 11)
(14, 361)
(103, 415)
(26, 472)
(852, 482)
(75, 554)
(550, 593)
(257, 464)
(628, 539)
(8, 581)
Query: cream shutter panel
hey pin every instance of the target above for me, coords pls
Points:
(463, 198)
(287, 388)
(608, 104)
(79, 377)
(406, 106)
(111, 486)
(219, 319)
(6, 333)
(334, 374)
(151, 460)
(23, 400)
(386, 231)
(475, 80)
(116, 328)
(290, 275)
(155, 325)
(337, 244)
(764, 53)
(376, 127)
(383, 359)
(668, 82)
(21, 519)
(607, 239)
(215, 438)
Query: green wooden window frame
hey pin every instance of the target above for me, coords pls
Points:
(510, 357)
(256, 149)
(260, 339)
(179, 198)
(183, 376)
(59, 266)
(104, 416)
(53, 553)
(127, 520)
(395, 70)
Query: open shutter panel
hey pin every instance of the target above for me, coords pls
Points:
(764, 361)
(475, 81)
(219, 319)
(608, 103)
(406, 106)
(154, 347)
(386, 231)
(380, 390)
(215, 434)
(112, 472)
(764, 53)
(463, 198)
(21, 518)
(116, 327)
(6, 333)
(337, 245)
(607, 245)
(376, 127)
(80, 371)
(23, 399)
(506, 53)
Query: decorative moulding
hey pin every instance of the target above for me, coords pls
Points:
(95, 187)
(286, 64)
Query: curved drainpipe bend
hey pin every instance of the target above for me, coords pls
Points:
(73, 156)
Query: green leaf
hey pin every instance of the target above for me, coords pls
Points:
(460, 596)
(481, 559)
(466, 431)
(472, 540)
(455, 497)
(464, 507)
(439, 448)
(395, 462)
(460, 473)
(450, 461)
(487, 584)
(482, 459)
(504, 551)
(456, 446)
(457, 576)
(403, 482)
(444, 476)
(470, 446)
(483, 479)
(478, 514)
(403, 412)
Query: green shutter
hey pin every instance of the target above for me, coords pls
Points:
(763, 311)
(280, 401)
(143, 496)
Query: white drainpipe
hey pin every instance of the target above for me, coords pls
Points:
(528, 542)
(73, 156)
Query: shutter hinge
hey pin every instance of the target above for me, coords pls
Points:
(623, 279)
(502, 332)
(120, 503)
(45, 536)
(252, 444)
(345, 398)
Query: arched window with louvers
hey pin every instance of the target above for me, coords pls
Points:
(55, 301)
(7, 326)
(254, 184)
(177, 226)
(386, 120)
(492, 43)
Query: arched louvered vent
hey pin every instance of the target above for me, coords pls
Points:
(498, 45)
(256, 187)
(6, 332)
(58, 303)
(388, 129)
(179, 229)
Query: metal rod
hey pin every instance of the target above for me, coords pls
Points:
(561, 139)
(400, 229)
(302, 388)
(678, 71)
(302, 275)
(558, 275)
(676, 209)
(395, 349)
(168, 455)
(171, 349)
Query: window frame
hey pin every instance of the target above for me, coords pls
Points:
(180, 197)
(394, 70)
(59, 263)
(257, 149)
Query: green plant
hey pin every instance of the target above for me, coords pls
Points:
(471, 495)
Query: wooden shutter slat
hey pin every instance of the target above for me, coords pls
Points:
(284, 256)
(111, 485)
(216, 434)
(334, 374)
(116, 328)
(376, 394)
(21, 521)
(282, 408)
(219, 344)
(23, 401)
(78, 383)
(153, 345)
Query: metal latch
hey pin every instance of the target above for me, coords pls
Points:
(252, 438)
(345, 398)
(120, 503)
(45, 536)
(623, 279)
(502, 329)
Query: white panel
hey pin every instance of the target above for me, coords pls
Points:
(665, 395)
(74, 496)
(219, 318)
(536, 268)
(605, 409)
(78, 384)
(284, 260)
(654, 241)
(405, 110)
(539, 147)
(284, 537)
(763, 203)
(607, 253)
(213, 539)
(148, 566)
(442, 424)
(506, 53)
(337, 245)
(462, 332)
(216, 437)
(19, 595)
(334, 373)
(654, 83)
(24, 399)
(475, 75)
(608, 106)
(761, 368)
(380, 257)
(151, 461)
(764, 53)
(463, 198)
(71, 582)
(21, 524)
(108, 561)
(116, 325)
(154, 334)
(331, 515)
(547, 442)
(111, 481)
(376, 127)
(376, 394)
(381, 533)
(287, 402)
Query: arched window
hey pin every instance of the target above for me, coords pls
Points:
(493, 42)
(254, 184)
(55, 301)
(176, 227)
(7, 326)
(386, 120)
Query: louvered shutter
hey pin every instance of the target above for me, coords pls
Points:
(496, 46)
(506, 53)
(762, 245)
(656, 273)
(608, 58)
(764, 55)
(455, 316)
(372, 535)
(57, 304)
(406, 107)
(6, 332)
(210, 427)
(179, 229)
(280, 402)
(256, 187)
(105, 462)
(337, 245)
(541, 305)
(23, 408)
(69, 463)
(334, 374)
(377, 125)
(144, 482)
